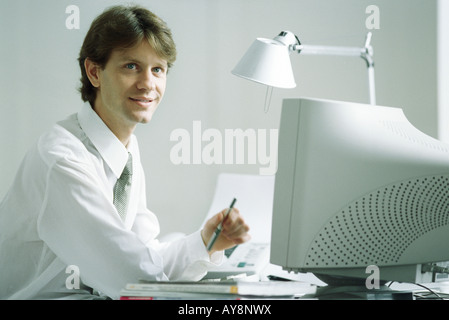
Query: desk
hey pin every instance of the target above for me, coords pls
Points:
(425, 290)
(438, 290)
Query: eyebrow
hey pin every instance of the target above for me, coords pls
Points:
(129, 58)
(133, 59)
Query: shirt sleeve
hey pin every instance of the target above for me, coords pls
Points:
(186, 258)
(78, 222)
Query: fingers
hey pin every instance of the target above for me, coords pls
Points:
(235, 228)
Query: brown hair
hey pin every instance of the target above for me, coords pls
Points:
(122, 27)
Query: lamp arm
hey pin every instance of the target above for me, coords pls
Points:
(327, 50)
(366, 53)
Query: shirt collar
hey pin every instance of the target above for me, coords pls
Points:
(114, 153)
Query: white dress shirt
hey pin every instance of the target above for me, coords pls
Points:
(59, 212)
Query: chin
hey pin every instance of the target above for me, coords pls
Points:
(146, 118)
(142, 117)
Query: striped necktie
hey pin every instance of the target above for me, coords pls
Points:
(122, 188)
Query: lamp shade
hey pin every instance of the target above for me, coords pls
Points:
(268, 62)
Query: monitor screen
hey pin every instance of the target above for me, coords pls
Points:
(358, 185)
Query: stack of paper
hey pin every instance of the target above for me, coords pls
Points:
(210, 290)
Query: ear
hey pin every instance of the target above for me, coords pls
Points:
(93, 72)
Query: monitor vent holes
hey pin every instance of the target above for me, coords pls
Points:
(379, 227)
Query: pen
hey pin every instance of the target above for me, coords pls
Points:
(219, 227)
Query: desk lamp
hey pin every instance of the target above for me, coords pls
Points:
(267, 61)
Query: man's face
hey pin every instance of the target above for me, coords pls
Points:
(131, 86)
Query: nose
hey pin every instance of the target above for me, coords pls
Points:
(146, 81)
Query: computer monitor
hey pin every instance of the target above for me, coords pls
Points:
(358, 185)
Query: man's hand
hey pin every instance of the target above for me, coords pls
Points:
(234, 231)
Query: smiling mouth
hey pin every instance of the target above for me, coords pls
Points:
(141, 100)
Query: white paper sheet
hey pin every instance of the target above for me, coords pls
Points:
(254, 196)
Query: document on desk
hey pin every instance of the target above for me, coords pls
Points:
(254, 196)
(221, 288)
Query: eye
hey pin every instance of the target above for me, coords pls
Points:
(158, 70)
(131, 66)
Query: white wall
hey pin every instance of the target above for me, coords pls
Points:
(443, 70)
(40, 76)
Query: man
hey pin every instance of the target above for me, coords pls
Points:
(64, 217)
